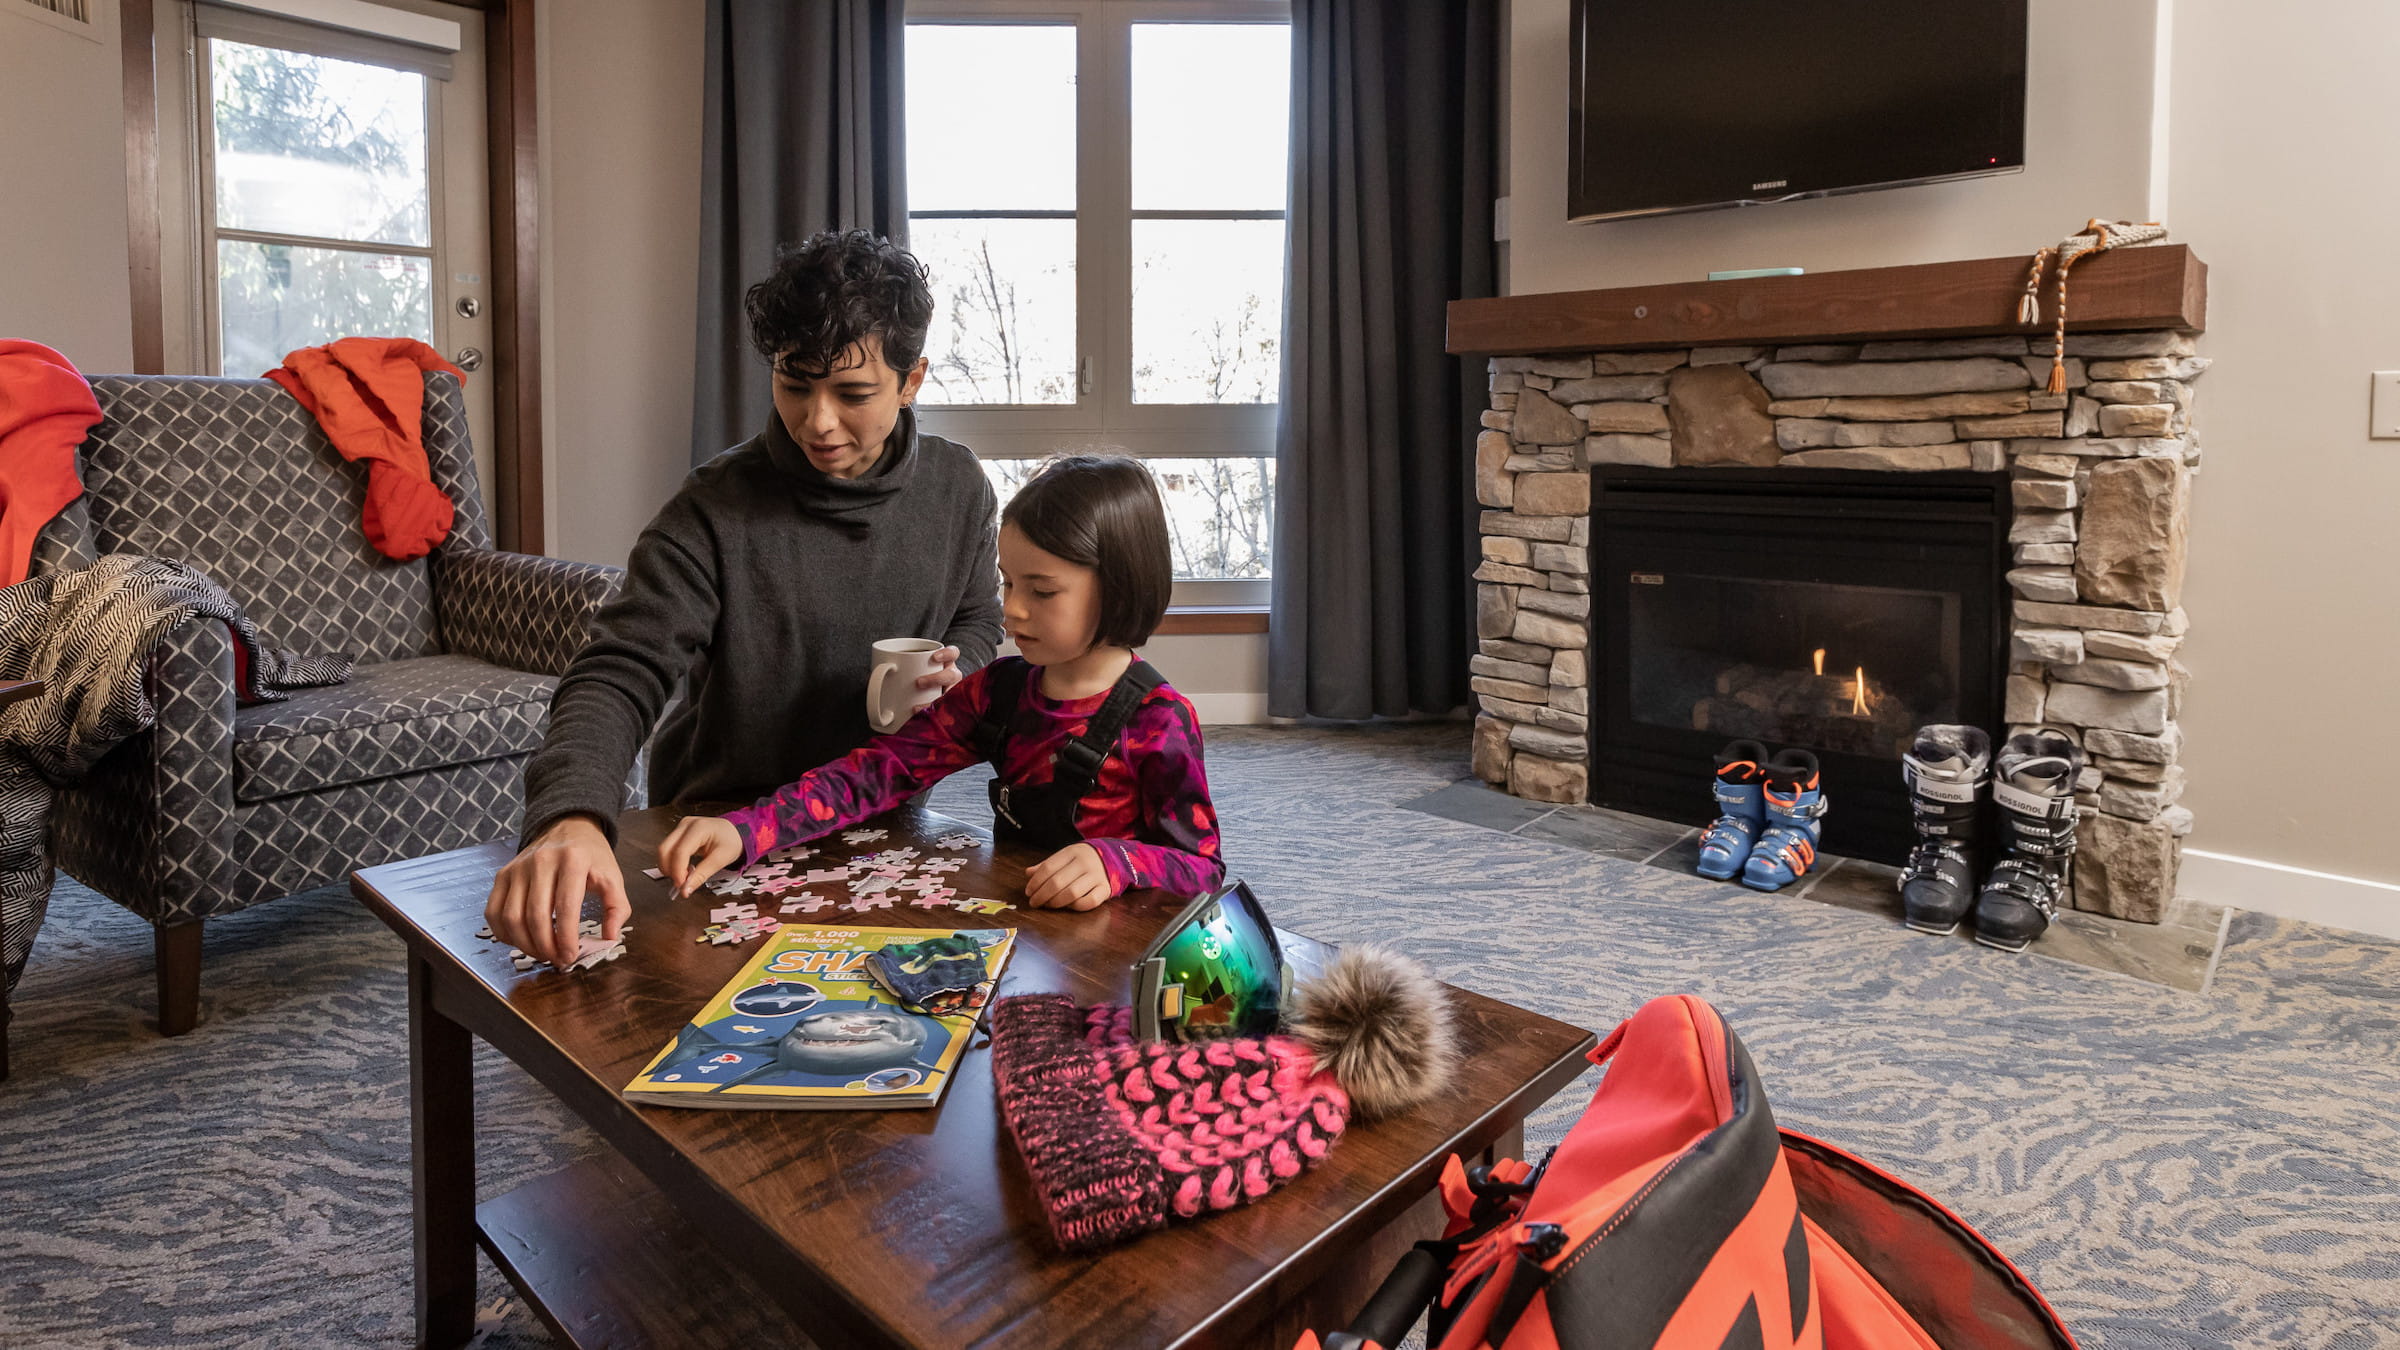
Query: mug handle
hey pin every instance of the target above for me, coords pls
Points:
(875, 694)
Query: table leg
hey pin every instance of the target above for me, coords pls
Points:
(441, 1082)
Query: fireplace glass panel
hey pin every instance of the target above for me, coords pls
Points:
(1843, 668)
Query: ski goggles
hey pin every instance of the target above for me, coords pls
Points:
(1214, 971)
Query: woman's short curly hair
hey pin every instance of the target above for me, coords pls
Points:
(835, 289)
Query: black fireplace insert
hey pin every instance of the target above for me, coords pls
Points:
(1834, 610)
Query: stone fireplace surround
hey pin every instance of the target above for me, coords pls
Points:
(2100, 480)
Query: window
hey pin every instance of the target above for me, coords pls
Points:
(318, 209)
(1097, 190)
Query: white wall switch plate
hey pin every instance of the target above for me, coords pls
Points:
(2383, 408)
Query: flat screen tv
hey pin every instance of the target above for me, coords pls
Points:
(1683, 105)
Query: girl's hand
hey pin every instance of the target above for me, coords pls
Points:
(1071, 878)
(699, 848)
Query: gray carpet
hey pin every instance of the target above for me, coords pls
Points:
(2172, 1169)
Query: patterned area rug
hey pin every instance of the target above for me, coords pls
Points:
(2172, 1169)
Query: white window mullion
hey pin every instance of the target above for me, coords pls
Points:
(1106, 155)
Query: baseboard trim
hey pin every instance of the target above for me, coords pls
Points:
(2292, 892)
(1230, 709)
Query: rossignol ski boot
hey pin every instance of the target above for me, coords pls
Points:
(1945, 770)
(2034, 788)
(1794, 806)
(1741, 810)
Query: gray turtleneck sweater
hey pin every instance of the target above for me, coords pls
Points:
(764, 582)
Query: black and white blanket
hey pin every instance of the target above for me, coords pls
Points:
(87, 635)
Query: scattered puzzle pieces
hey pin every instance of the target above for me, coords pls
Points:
(956, 841)
(937, 898)
(731, 912)
(809, 904)
(824, 874)
(979, 906)
(739, 930)
(918, 884)
(590, 948)
(789, 853)
(744, 883)
(939, 866)
(860, 904)
(862, 836)
(891, 857)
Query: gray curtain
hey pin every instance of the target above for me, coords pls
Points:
(1391, 209)
(801, 132)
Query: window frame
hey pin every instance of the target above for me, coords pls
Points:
(1105, 419)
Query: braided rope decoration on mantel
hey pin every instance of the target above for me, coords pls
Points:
(2096, 236)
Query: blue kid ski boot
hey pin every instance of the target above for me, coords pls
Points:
(1794, 806)
(1945, 770)
(1741, 810)
(2034, 789)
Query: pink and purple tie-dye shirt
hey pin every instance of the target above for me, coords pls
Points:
(1148, 815)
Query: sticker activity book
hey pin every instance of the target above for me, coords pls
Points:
(803, 1026)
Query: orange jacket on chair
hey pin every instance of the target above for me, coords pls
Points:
(369, 396)
(45, 409)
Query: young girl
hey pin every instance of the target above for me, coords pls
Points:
(1098, 758)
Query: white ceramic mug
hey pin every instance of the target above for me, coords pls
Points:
(899, 664)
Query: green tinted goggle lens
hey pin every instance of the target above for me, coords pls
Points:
(1219, 975)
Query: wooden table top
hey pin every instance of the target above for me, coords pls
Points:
(17, 691)
(919, 1227)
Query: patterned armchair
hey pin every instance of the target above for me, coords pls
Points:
(217, 807)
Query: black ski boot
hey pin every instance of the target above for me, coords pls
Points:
(2034, 789)
(1945, 771)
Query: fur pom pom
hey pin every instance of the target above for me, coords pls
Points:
(1380, 1022)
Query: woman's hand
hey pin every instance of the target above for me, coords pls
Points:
(699, 848)
(536, 905)
(1072, 878)
(944, 672)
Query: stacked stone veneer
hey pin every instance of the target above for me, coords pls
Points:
(2101, 482)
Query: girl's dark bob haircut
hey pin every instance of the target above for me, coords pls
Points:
(1103, 512)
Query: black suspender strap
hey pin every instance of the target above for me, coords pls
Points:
(1076, 766)
(1007, 687)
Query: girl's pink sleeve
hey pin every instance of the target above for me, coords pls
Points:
(877, 776)
(1175, 848)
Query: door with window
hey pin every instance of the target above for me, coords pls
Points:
(337, 185)
(1097, 190)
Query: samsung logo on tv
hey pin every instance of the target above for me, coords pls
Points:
(1770, 183)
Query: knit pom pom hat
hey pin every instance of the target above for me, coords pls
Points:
(1120, 1136)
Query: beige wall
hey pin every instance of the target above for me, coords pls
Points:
(620, 126)
(62, 188)
(2258, 140)
(2282, 180)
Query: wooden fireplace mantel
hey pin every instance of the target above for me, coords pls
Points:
(2157, 286)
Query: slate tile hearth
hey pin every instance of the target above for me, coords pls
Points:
(2180, 951)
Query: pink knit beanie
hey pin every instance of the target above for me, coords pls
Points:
(1121, 1136)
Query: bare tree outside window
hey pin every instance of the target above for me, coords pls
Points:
(987, 354)
(1220, 511)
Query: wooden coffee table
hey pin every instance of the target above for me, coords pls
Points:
(869, 1228)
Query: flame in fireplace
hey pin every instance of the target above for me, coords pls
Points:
(1858, 694)
(1820, 660)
